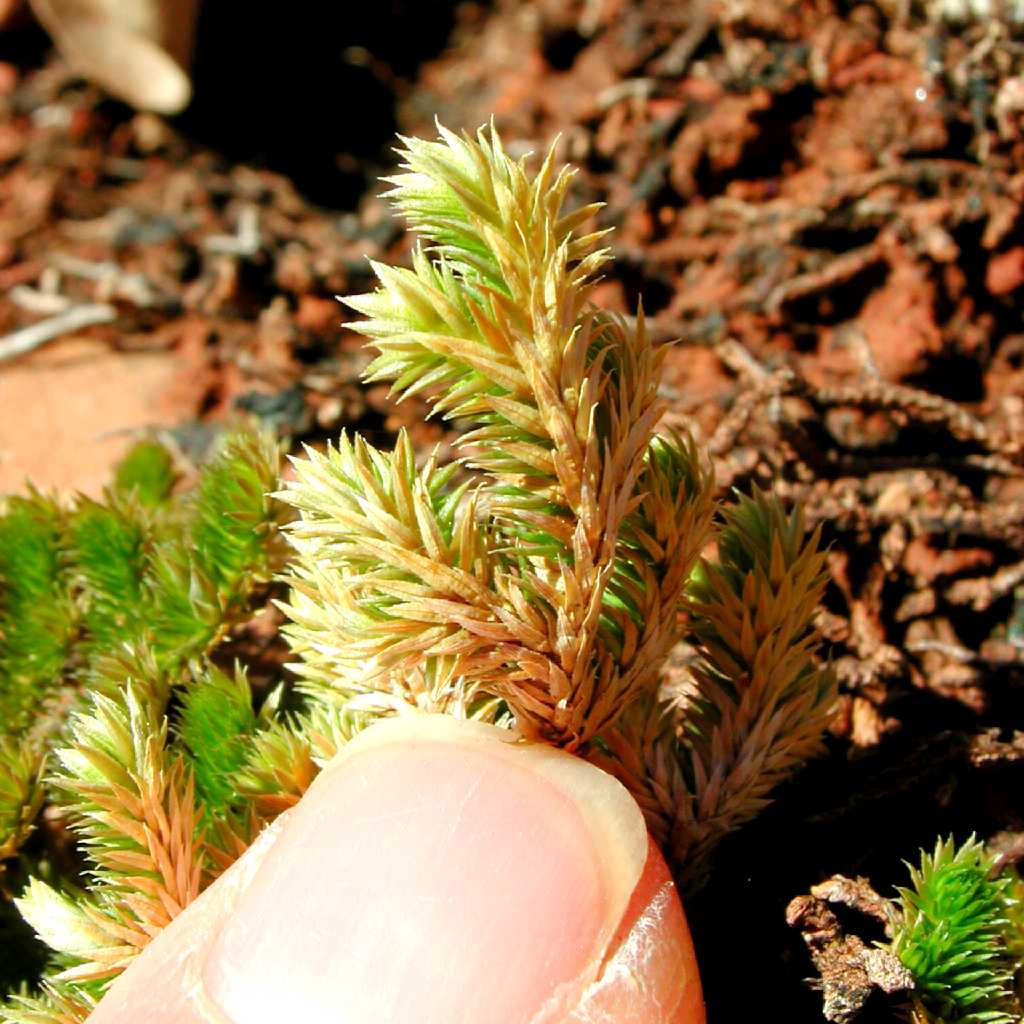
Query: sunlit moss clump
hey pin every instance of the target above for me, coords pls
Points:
(92, 592)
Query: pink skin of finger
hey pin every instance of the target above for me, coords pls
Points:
(439, 873)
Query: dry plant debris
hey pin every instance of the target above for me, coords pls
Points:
(850, 969)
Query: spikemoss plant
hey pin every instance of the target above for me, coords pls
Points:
(539, 582)
(959, 932)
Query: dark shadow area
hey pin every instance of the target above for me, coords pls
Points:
(859, 816)
(24, 956)
(309, 90)
(25, 45)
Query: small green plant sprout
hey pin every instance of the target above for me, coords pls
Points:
(538, 582)
(959, 932)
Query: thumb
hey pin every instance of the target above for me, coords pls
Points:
(435, 873)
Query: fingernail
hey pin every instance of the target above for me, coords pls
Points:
(439, 873)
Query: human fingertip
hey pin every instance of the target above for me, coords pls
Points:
(436, 871)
